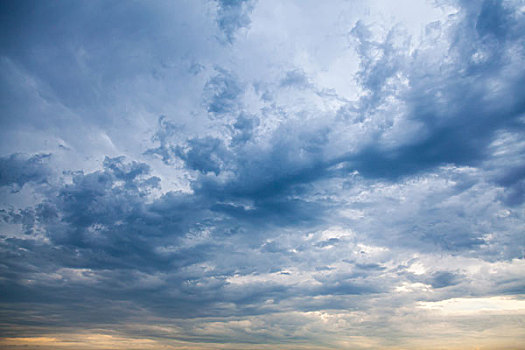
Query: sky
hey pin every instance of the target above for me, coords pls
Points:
(219, 174)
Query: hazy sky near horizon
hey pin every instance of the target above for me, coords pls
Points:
(262, 174)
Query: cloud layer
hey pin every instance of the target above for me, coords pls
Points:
(242, 174)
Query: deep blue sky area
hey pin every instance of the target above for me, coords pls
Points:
(262, 174)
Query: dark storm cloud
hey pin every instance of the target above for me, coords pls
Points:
(204, 154)
(19, 169)
(456, 107)
(221, 92)
(166, 130)
(101, 214)
(102, 225)
(244, 129)
(444, 279)
(513, 179)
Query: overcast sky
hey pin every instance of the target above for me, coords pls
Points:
(262, 174)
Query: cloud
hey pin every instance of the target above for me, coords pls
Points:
(232, 16)
(222, 91)
(443, 279)
(295, 78)
(19, 169)
(454, 106)
(331, 174)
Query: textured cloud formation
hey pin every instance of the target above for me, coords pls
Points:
(259, 174)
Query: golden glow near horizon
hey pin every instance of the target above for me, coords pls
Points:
(457, 323)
